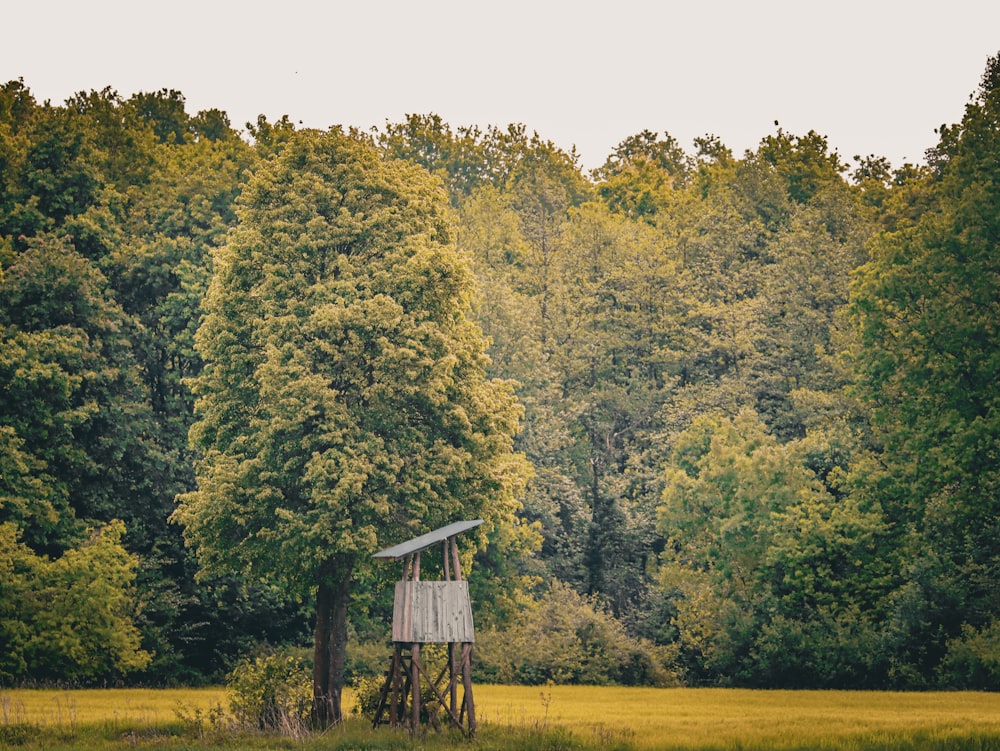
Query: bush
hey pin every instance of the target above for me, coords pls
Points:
(271, 692)
(366, 658)
(973, 660)
(367, 691)
(70, 618)
(568, 638)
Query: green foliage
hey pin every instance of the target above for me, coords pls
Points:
(344, 401)
(459, 158)
(70, 618)
(367, 694)
(642, 172)
(926, 309)
(770, 572)
(566, 638)
(69, 407)
(673, 326)
(271, 692)
(344, 386)
(805, 162)
(97, 334)
(973, 659)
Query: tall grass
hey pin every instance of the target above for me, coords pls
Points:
(88, 706)
(743, 719)
(521, 718)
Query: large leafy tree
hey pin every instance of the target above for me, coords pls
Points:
(344, 402)
(773, 578)
(160, 267)
(927, 308)
(69, 410)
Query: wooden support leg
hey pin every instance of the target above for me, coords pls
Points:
(470, 705)
(441, 705)
(404, 694)
(397, 686)
(453, 680)
(383, 695)
(415, 687)
(389, 695)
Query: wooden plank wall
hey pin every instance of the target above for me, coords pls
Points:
(436, 612)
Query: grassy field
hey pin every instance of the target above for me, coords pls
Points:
(137, 707)
(734, 718)
(525, 718)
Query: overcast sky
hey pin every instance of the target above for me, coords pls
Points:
(875, 77)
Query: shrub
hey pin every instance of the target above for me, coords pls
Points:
(973, 660)
(70, 618)
(367, 690)
(366, 658)
(568, 638)
(271, 692)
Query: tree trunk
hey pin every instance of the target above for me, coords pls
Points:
(595, 551)
(330, 644)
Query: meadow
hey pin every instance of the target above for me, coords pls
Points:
(525, 718)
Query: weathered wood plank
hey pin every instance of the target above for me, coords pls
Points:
(432, 612)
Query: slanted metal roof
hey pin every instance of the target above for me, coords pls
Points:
(425, 541)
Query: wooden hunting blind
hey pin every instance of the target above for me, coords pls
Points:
(430, 612)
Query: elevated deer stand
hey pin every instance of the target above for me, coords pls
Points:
(430, 612)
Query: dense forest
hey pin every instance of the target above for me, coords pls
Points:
(731, 419)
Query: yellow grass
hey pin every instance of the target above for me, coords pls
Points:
(131, 706)
(733, 718)
(601, 717)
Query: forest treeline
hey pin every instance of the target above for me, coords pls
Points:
(760, 399)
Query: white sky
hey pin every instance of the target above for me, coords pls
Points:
(875, 77)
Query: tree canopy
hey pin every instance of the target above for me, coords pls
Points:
(738, 412)
(344, 402)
